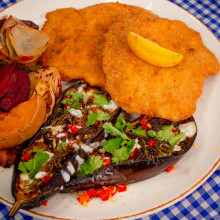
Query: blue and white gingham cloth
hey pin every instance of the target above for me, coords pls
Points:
(203, 203)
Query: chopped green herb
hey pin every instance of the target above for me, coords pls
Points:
(74, 101)
(139, 131)
(166, 134)
(176, 138)
(100, 100)
(120, 155)
(98, 116)
(129, 126)
(62, 146)
(38, 150)
(120, 123)
(112, 144)
(110, 129)
(33, 166)
(91, 164)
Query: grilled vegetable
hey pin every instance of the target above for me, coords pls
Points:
(136, 151)
(73, 131)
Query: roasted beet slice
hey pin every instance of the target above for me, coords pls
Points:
(27, 22)
(14, 86)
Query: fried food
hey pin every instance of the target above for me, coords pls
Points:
(76, 49)
(139, 87)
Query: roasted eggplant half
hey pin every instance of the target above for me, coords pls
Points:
(135, 151)
(56, 152)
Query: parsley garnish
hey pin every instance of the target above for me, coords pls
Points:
(112, 144)
(74, 101)
(166, 134)
(139, 131)
(62, 146)
(98, 116)
(100, 100)
(91, 164)
(33, 166)
(120, 146)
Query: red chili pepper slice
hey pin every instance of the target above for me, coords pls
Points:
(105, 194)
(74, 128)
(133, 153)
(143, 121)
(98, 191)
(46, 178)
(170, 168)
(83, 199)
(25, 157)
(91, 192)
(122, 188)
(173, 130)
(45, 203)
(113, 190)
(151, 143)
(106, 162)
(26, 58)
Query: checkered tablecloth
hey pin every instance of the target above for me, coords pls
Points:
(203, 203)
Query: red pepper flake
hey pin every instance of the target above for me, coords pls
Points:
(97, 123)
(96, 109)
(25, 157)
(46, 178)
(145, 127)
(66, 105)
(92, 98)
(91, 192)
(83, 199)
(151, 143)
(74, 128)
(143, 121)
(170, 168)
(106, 162)
(133, 153)
(104, 194)
(45, 203)
(113, 190)
(122, 188)
(173, 130)
(26, 58)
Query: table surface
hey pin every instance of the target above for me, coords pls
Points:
(204, 202)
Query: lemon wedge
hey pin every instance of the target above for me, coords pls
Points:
(152, 52)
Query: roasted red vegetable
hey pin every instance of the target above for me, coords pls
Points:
(55, 153)
(14, 86)
(166, 149)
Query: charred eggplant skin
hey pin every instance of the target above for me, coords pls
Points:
(127, 172)
(57, 180)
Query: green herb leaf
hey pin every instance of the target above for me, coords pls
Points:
(176, 138)
(38, 150)
(129, 126)
(120, 155)
(91, 164)
(120, 123)
(112, 144)
(130, 145)
(110, 129)
(99, 116)
(166, 134)
(100, 100)
(139, 131)
(74, 101)
(62, 146)
(33, 166)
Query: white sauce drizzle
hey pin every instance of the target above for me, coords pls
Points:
(176, 148)
(70, 168)
(87, 148)
(76, 113)
(40, 175)
(189, 129)
(61, 188)
(136, 144)
(112, 105)
(65, 175)
(79, 160)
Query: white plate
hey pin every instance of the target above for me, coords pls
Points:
(148, 196)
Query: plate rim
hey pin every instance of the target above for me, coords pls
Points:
(158, 207)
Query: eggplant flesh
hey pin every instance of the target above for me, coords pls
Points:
(67, 147)
(146, 163)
